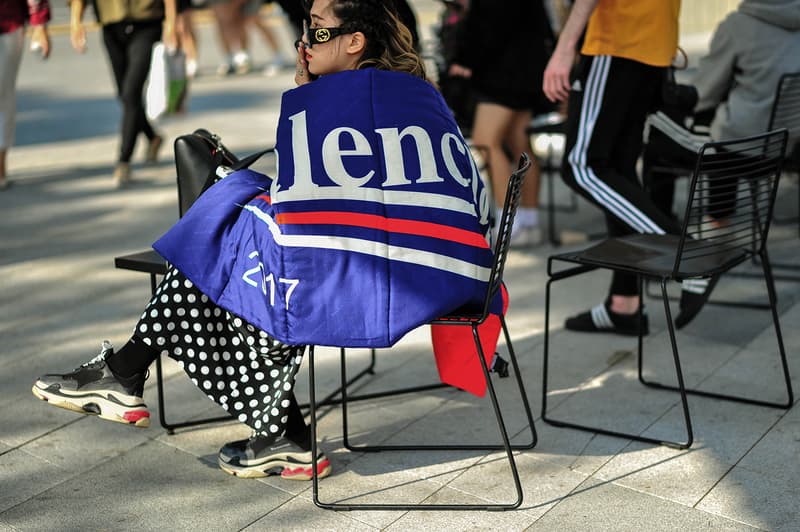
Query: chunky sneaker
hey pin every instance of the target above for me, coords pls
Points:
(694, 294)
(260, 456)
(95, 390)
(602, 319)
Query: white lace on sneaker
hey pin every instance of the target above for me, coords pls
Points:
(106, 348)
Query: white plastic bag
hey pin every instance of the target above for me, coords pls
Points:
(166, 85)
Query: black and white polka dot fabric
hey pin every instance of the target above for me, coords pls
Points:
(238, 366)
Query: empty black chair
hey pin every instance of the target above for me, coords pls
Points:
(469, 318)
(750, 166)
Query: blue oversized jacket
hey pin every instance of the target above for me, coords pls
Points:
(375, 224)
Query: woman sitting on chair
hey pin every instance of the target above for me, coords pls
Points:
(374, 225)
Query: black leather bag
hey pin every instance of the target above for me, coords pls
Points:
(198, 155)
(201, 160)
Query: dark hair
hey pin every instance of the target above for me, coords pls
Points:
(389, 42)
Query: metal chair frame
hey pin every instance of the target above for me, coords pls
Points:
(722, 252)
(472, 321)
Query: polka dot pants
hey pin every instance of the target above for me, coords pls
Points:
(239, 367)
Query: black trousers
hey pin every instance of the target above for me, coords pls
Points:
(608, 104)
(129, 46)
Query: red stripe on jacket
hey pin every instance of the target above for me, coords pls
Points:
(393, 225)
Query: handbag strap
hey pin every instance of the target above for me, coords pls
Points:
(250, 159)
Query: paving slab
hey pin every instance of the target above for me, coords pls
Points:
(759, 500)
(367, 481)
(152, 487)
(775, 454)
(544, 484)
(24, 475)
(459, 520)
(603, 506)
(82, 445)
(575, 450)
(294, 515)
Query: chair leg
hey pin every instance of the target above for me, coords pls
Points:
(773, 300)
(588, 428)
(768, 278)
(404, 507)
(346, 399)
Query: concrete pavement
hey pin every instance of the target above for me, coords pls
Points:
(62, 222)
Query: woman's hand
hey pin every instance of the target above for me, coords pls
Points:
(301, 73)
(459, 71)
(40, 40)
(556, 83)
(169, 37)
(77, 36)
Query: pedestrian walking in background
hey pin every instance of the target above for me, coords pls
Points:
(14, 14)
(616, 82)
(234, 18)
(130, 29)
(187, 37)
(506, 72)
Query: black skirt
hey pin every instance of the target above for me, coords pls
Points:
(241, 368)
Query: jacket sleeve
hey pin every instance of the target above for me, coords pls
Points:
(716, 69)
(38, 12)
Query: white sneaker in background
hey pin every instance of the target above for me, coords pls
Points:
(242, 64)
(191, 69)
(525, 236)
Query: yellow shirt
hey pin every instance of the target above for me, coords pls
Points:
(641, 30)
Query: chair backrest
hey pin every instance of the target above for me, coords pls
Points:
(730, 203)
(513, 192)
(786, 107)
(786, 112)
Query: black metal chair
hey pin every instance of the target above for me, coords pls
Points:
(190, 183)
(472, 319)
(755, 164)
(785, 113)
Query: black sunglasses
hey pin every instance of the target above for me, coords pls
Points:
(323, 35)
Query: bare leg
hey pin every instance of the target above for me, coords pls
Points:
(188, 41)
(231, 32)
(261, 26)
(492, 123)
(3, 182)
(518, 142)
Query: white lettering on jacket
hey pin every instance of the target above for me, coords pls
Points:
(333, 157)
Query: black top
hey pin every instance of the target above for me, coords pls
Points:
(507, 44)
